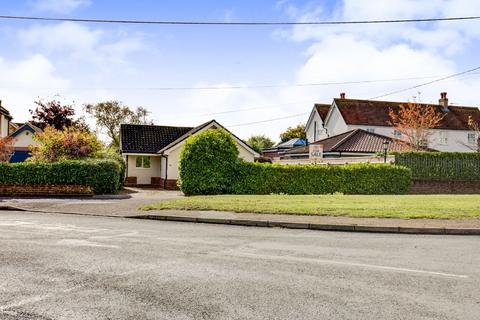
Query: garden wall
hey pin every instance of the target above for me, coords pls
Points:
(442, 172)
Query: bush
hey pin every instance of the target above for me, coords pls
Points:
(254, 178)
(68, 144)
(103, 176)
(207, 163)
(110, 154)
(441, 165)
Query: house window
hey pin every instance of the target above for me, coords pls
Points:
(472, 139)
(143, 162)
(314, 131)
(397, 134)
(371, 130)
(443, 137)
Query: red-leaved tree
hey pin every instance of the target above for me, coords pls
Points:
(6, 149)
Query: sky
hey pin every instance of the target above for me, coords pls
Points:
(89, 63)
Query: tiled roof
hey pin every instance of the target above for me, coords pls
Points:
(148, 138)
(356, 141)
(376, 113)
(322, 110)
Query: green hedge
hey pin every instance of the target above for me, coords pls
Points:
(207, 163)
(103, 176)
(255, 178)
(441, 165)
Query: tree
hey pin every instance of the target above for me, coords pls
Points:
(110, 115)
(414, 122)
(294, 132)
(475, 127)
(67, 144)
(55, 114)
(260, 142)
(6, 149)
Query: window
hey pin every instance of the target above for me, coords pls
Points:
(143, 162)
(472, 139)
(314, 131)
(397, 134)
(372, 130)
(443, 137)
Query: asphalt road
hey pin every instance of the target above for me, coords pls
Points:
(55, 266)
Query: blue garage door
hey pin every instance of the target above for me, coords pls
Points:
(19, 156)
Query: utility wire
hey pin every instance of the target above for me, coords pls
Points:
(261, 86)
(377, 97)
(426, 83)
(269, 120)
(240, 23)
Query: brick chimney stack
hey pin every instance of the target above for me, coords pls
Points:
(342, 95)
(443, 101)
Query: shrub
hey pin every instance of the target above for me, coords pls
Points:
(254, 178)
(441, 165)
(110, 154)
(207, 163)
(103, 176)
(68, 144)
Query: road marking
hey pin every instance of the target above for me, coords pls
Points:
(346, 263)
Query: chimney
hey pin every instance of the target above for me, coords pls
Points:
(342, 95)
(443, 101)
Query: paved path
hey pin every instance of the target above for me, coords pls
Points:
(82, 267)
(89, 206)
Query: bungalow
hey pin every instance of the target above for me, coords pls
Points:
(23, 141)
(452, 134)
(152, 152)
(353, 143)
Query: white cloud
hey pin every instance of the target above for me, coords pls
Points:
(59, 6)
(23, 80)
(81, 42)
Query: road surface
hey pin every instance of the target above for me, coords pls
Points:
(55, 266)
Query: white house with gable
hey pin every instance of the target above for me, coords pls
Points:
(452, 135)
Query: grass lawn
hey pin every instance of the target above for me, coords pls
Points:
(380, 206)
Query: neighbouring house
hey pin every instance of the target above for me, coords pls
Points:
(23, 141)
(353, 143)
(453, 134)
(5, 119)
(152, 152)
(277, 150)
(314, 126)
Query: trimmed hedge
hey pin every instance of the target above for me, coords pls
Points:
(447, 166)
(255, 178)
(103, 176)
(207, 163)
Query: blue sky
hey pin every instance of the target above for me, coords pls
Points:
(88, 63)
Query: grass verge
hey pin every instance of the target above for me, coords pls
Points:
(361, 206)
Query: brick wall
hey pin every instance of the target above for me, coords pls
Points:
(38, 190)
(445, 187)
(169, 184)
(130, 181)
(155, 182)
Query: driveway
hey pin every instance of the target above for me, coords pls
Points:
(113, 206)
(55, 266)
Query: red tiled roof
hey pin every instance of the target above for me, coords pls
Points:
(376, 113)
(322, 110)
